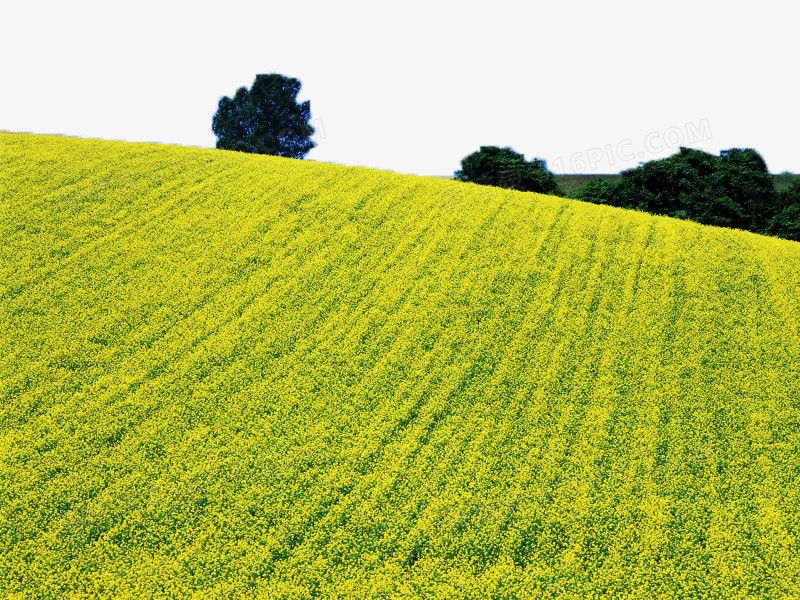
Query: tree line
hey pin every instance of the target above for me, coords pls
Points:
(734, 189)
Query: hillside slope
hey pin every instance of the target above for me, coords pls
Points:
(242, 374)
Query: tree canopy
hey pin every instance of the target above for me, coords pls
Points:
(734, 189)
(503, 167)
(266, 119)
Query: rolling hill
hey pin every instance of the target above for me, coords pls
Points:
(233, 375)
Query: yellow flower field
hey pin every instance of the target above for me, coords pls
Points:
(233, 375)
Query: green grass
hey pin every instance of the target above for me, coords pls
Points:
(570, 185)
(232, 375)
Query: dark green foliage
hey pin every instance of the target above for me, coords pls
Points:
(266, 119)
(598, 190)
(786, 222)
(746, 186)
(503, 167)
(734, 189)
(785, 180)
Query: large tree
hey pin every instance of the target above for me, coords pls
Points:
(503, 167)
(266, 119)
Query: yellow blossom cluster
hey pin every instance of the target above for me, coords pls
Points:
(229, 375)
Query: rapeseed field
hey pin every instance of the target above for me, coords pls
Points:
(229, 375)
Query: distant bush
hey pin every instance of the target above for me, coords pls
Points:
(505, 168)
(599, 191)
(734, 189)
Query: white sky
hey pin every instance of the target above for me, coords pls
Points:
(415, 86)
